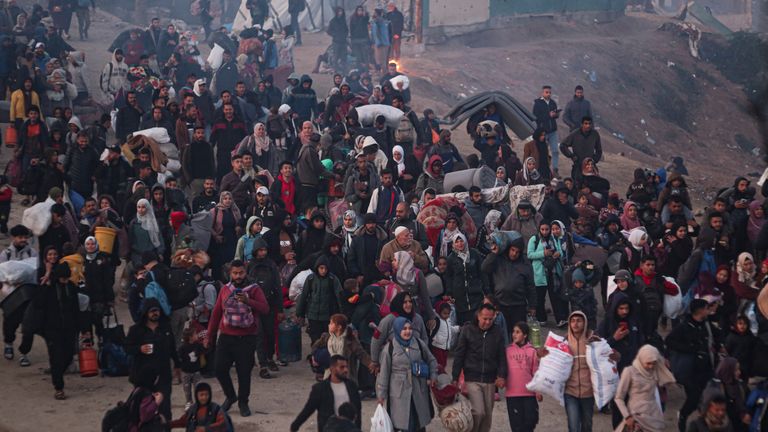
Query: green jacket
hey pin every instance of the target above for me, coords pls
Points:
(320, 298)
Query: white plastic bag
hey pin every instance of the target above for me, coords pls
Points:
(216, 56)
(158, 134)
(380, 422)
(38, 217)
(603, 372)
(457, 417)
(21, 272)
(554, 369)
(400, 79)
(366, 114)
(297, 284)
(673, 304)
(612, 287)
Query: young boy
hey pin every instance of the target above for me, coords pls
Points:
(582, 298)
(740, 344)
(444, 336)
(277, 127)
(190, 352)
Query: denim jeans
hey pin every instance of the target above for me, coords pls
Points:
(554, 148)
(579, 412)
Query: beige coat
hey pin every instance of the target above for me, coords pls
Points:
(420, 259)
(642, 403)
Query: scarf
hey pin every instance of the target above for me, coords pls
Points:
(755, 224)
(745, 277)
(398, 325)
(260, 143)
(91, 256)
(406, 273)
(626, 222)
(635, 238)
(660, 373)
(463, 254)
(530, 175)
(448, 238)
(232, 206)
(336, 343)
(149, 223)
(401, 162)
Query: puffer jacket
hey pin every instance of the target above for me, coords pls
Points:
(480, 354)
(513, 283)
(465, 282)
(81, 165)
(320, 297)
(302, 100)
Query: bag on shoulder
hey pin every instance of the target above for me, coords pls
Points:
(182, 289)
(155, 291)
(405, 131)
(237, 314)
(117, 419)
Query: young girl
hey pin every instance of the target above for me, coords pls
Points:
(444, 336)
(522, 363)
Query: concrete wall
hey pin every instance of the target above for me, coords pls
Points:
(457, 12)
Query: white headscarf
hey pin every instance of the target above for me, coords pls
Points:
(91, 256)
(260, 143)
(448, 238)
(148, 222)
(464, 253)
(636, 236)
(406, 273)
(401, 162)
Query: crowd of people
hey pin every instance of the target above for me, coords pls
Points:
(277, 187)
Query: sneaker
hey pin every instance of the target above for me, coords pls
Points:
(244, 410)
(264, 373)
(59, 395)
(228, 404)
(24, 361)
(272, 366)
(8, 352)
(562, 323)
(281, 363)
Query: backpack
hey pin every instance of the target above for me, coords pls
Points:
(405, 131)
(113, 360)
(117, 419)
(155, 291)
(236, 314)
(182, 289)
(390, 291)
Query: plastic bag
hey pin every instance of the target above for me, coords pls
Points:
(158, 134)
(38, 217)
(297, 284)
(380, 422)
(457, 417)
(400, 79)
(603, 372)
(554, 369)
(216, 56)
(673, 304)
(16, 273)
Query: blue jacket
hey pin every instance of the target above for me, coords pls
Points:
(536, 256)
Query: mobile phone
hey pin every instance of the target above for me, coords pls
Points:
(238, 291)
(623, 326)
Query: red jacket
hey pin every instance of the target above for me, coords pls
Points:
(256, 301)
(6, 193)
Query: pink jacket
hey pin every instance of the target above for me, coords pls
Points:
(522, 363)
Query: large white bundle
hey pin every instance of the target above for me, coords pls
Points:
(21, 272)
(457, 417)
(38, 217)
(170, 150)
(603, 372)
(673, 303)
(297, 284)
(158, 134)
(216, 56)
(173, 166)
(366, 114)
(400, 79)
(554, 369)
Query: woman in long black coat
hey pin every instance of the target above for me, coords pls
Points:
(465, 282)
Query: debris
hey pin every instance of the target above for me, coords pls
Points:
(670, 64)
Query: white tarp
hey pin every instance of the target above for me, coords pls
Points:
(243, 17)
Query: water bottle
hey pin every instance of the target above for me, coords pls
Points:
(535, 336)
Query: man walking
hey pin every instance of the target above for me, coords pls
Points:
(481, 355)
(546, 112)
(576, 109)
(236, 314)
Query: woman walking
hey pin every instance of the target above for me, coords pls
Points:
(638, 387)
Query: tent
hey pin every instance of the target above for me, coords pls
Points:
(279, 16)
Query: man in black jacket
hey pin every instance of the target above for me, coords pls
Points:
(128, 117)
(323, 396)
(112, 175)
(481, 355)
(151, 344)
(546, 112)
(397, 24)
(263, 271)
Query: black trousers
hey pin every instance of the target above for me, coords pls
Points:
(61, 349)
(513, 315)
(315, 329)
(239, 350)
(11, 323)
(267, 340)
(559, 306)
(523, 413)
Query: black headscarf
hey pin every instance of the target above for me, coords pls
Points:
(396, 305)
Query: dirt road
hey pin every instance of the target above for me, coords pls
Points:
(28, 404)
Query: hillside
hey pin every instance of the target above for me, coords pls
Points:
(652, 100)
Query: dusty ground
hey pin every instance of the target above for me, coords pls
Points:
(28, 403)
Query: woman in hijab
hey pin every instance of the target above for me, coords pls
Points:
(401, 305)
(465, 283)
(630, 219)
(347, 230)
(146, 401)
(341, 340)
(529, 175)
(637, 390)
(446, 236)
(257, 144)
(162, 212)
(224, 232)
(144, 233)
(412, 281)
(638, 248)
(509, 160)
(755, 224)
(407, 370)
(406, 167)
(538, 149)
(728, 382)
(491, 224)
(99, 279)
(743, 279)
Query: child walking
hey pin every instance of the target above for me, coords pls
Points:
(522, 364)
(444, 336)
(190, 352)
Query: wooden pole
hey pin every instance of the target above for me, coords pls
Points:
(418, 21)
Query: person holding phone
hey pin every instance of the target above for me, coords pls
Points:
(546, 112)
(624, 335)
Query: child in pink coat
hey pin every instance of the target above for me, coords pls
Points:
(522, 363)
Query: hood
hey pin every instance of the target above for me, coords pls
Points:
(251, 221)
(114, 59)
(738, 179)
(317, 215)
(612, 218)
(203, 386)
(321, 260)
(331, 240)
(149, 304)
(306, 78)
(75, 121)
(293, 76)
(639, 175)
(259, 243)
(428, 169)
(586, 327)
(676, 176)
(662, 173)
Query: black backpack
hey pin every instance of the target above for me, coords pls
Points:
(117, 419)
(182, 289)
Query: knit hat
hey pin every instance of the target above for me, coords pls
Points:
(369, 218)
(578, 275)
(622, 275)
